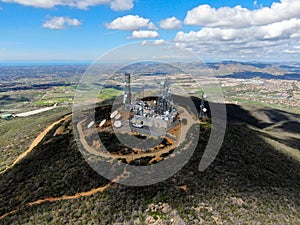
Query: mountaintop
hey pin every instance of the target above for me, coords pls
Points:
(254, 179)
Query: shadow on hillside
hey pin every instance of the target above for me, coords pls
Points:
(237, 114)
(291, 127)
(291, 142)
(265, 117)
(245, 164)
(280, 123)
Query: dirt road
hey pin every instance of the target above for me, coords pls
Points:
(35, 142)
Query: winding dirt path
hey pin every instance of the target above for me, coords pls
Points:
(7, 214)
(65, 197)
(35, 142)
(69, 197)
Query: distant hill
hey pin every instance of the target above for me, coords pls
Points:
(248, 70)
(225, 69)
(250, 75)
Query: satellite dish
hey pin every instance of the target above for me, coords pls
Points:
(102, 123)
(117, 124)
(204, 95)
(204, 110)
(162, 83)
(114, 113)
(90, 124)
(118, 116)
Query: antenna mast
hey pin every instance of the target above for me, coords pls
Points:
(127, 94)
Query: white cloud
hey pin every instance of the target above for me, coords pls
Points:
(159, 42)
(271, 42)
(204, 15)
(291, 51)
(171, 23)
(144, 34)
(35, 3)
(235, 32)
(237, 17)
(81, 4)
(281, 30)
(155, 42)
(130, 22)
(60, 23)
(121, 5)
(151, 26)
(144, 43)
(260, 50)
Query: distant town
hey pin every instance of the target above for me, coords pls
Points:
(27, 89)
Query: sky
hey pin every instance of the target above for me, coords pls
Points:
(83, 30)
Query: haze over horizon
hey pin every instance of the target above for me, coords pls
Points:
(82, 31)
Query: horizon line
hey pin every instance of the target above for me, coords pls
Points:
(88, 62)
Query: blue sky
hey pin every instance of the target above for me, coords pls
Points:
(262, 30)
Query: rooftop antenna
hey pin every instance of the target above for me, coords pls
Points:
(202, 108)
(164, 98)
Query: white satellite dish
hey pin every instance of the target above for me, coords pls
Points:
(102, 123)
(117, 124)
(118, 116)
(162, 82)
(204, 110)
(90, 124)
(204, 96)
(114, 113)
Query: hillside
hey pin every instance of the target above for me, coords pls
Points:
(254, 179)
